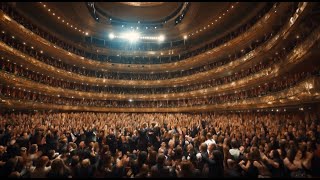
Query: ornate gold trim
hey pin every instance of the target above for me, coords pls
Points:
(307, 91)
(296, 56)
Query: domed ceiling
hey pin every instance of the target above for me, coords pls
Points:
(142, 4)
(176, 20)
(139, 11)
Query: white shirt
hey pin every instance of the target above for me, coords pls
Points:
(209, 141)
(235, 153)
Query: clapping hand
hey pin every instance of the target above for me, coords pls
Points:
(125, 159)
(241, 162)
(263, 156)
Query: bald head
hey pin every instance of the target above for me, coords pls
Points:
(85, 163)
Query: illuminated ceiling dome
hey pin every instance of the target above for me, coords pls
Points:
(174, 19)
(142, 4)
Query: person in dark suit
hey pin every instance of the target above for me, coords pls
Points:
(215, 164)
(159, 170)
(203, 153)
(112, 142)
(142, 139)
(190, 154)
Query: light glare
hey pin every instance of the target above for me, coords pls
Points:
(111, 35)
(161, 38)
(132, 36)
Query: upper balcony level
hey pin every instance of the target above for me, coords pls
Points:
(90, 64)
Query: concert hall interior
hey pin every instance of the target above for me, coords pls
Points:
(159, 89)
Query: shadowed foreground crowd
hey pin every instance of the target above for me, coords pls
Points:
(277, 144)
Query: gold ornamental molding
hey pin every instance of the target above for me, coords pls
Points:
(198, 77)
(195, 61)
(296, 56)
(307, 91)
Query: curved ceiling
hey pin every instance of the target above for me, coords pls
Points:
(151, 11)
(222, 16)
(142, 4)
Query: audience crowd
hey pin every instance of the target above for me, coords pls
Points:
(13, 42)
(24, 72)
(259, 90)
(256, 144)
(102, 145)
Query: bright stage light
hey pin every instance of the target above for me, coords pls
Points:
(131, 36)
(111, 35)
(161, 38)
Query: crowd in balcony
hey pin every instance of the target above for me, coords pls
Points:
(144, 60)
(17, 69)
(139, 145)
(258, 90)
(13, 41)
(305, 29)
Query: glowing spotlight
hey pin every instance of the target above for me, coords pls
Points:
(87, 33)
(161, 38)
(185, 37)
(132, 36)
(130, 100)
(111, 35)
